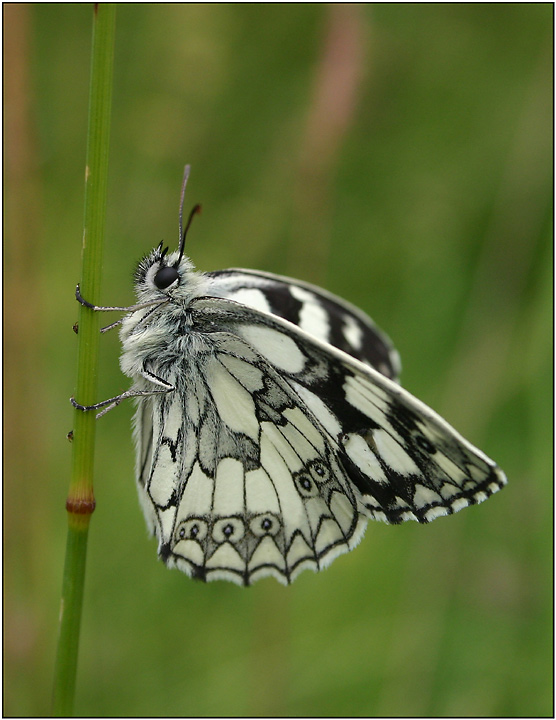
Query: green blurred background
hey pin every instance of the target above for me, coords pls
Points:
(401, 156)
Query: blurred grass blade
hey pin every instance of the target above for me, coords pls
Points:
(80, 503)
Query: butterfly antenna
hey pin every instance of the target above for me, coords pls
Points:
(184, 183)
(196, 209)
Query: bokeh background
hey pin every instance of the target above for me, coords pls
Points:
(401, 156)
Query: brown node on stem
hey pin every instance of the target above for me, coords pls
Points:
(80, 506)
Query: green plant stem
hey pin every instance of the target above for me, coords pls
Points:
(80, 502)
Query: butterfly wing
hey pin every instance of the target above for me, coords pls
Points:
(275, 449)
(404, 459)
(241, 484)
(316, 311)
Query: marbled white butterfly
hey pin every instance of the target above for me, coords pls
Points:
(270, 426)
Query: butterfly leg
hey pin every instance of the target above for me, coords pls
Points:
(106, 328)
(113, 402)
(102, 308)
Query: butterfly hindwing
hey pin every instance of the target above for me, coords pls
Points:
(245, 485)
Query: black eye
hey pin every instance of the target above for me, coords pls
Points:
(165, 277)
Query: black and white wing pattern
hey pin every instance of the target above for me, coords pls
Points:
(275, 448)
(315, 310)
(270, 426)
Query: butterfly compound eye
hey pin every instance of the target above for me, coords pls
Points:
(165, 277)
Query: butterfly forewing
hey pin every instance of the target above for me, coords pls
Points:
(316, 311)
(403, 459)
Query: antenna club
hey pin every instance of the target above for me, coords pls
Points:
(183, 231)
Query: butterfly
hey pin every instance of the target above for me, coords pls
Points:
(270, 424)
